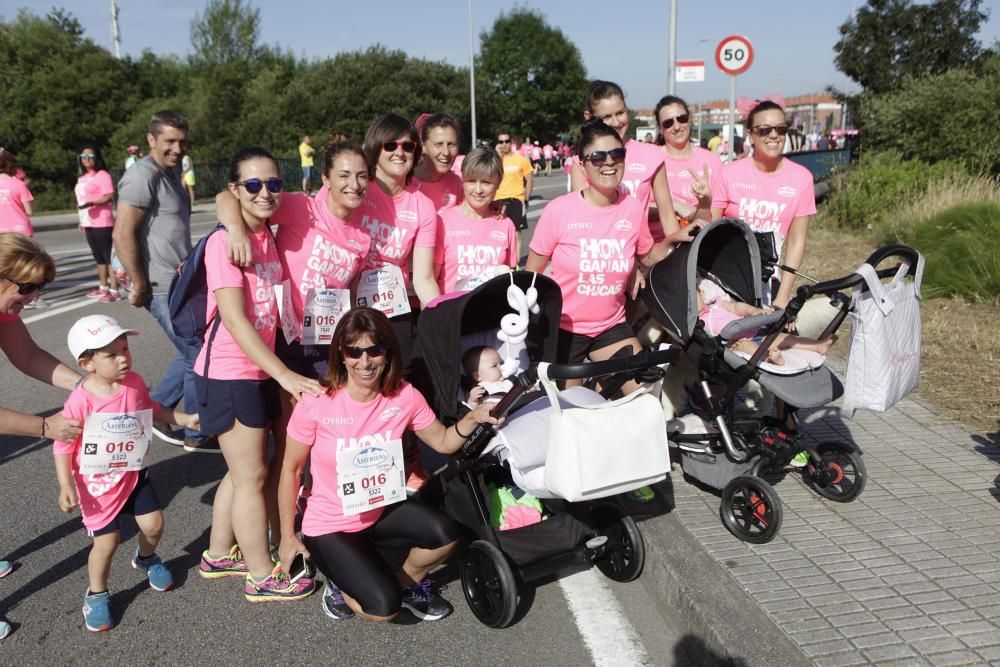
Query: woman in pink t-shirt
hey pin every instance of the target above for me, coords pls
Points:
(644, 176)
(94, 191)
(15, 199)
(769, 192)
(352, 435)
(475, 242)
(593, 238)
(237, 397)
(439, 137)
(692, 171)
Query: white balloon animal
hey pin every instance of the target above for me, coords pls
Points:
(514, 327)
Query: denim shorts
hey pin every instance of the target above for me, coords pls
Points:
(255, 403)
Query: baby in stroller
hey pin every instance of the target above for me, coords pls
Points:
(482, 365)
(717, 309)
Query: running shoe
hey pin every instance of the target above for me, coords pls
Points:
(642, 495)
(206, 445)
(165, 433)
(159, 576)
(6, 567)
(277, 587)
(230, 565)
(333, 603)
(801, 460)
(97, 292)
(97, 612)
(109, 297)
(4, 629)
(424, 603)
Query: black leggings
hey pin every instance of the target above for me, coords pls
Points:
(353, 562)
(99, 240)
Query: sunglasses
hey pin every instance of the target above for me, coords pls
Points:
(255, 185)
(24, 289)
(357, 352)
(87, 156)
(669, 122)
(391, 146)
(598, 158)
(765, 130)
(503, 141)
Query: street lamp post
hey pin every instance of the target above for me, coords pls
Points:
(472, 76)
(672, 65)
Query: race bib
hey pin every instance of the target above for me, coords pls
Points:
(115, 442)
(383, 289)
(370, 477)
(290, 325)
(323, 309)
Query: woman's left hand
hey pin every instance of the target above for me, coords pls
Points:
(288, 549)
(296, 384)
(482, 415)
(701, 188)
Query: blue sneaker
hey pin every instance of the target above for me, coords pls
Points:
(421, 600)
(97, 612)
(160, 578)
(4, 629)
(6, 567)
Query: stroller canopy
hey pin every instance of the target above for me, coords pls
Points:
(437, 354)
(727, 252)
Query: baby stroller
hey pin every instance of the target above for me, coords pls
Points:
(718, 449)
(594, 530)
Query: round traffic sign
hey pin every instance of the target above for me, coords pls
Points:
(734, 55)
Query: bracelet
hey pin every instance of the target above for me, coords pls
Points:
(460, 434)
(45, 425)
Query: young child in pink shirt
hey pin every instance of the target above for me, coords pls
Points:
(103, 471)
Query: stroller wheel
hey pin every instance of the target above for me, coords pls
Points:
(488, 584)
(841, 477)
(625, 552)
(750, 509)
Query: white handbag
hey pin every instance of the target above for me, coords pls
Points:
(602, 450)
(883, 363)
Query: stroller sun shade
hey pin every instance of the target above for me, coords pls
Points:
(437, 354)
(727, 251)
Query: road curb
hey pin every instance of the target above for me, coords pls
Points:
(702, 600)
(55, 227)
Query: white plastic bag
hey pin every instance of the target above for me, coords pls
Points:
(883, 363)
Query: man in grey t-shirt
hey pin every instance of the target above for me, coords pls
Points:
(153, 237)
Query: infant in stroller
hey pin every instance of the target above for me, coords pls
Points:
(482, 365)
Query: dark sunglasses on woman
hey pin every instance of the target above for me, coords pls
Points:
(598, 158)
(765, 130)
(24, 289)
(391, 146)
(255, 185)
(669, 122)
(353, 352)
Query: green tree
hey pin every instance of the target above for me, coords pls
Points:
(888, 40)
(227, 31)
(529, 77)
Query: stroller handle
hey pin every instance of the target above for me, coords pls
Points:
(806, 292)
(614, 365)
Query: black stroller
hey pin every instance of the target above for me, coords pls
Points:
(734, 454)
(574, 535)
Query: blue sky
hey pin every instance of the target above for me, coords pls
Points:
(626, 42)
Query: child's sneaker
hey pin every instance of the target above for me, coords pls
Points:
(159, 576)
(109, 297)
(97, 612)
(642, 495)
(4, 629)
(230, 565)
(97, 292)
(801, 460)
(277, 587)
(424, 603)
(333, 603)
(6, 567)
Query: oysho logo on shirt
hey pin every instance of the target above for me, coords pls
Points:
(458, 232)
(744, 186)
(787, 191)
(389, 413)
(338, 420)
(497, 235)
(408, 216)
(623, 225)
(579, 225)
(637, 167)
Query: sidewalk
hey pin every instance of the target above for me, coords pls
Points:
(45, 222)
(907, 573)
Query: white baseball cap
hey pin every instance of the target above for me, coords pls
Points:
(94, 332)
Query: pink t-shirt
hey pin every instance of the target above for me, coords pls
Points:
(329, 424)
(593, 251)
(91, 187)
(443, 193)
(317, 249)
(681, 174)
(229, 361)
(766, 201)
(103, 496)
(397, 224)
(13, 195)
(468, 248)
(547, 151)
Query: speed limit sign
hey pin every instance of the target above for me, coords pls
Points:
(734, 55)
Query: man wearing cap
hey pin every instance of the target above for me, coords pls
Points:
(152, 235)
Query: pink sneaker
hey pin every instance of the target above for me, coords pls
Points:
(277, 588)
(109, 297)
(97, 292)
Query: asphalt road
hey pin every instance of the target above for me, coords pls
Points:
(582, 620)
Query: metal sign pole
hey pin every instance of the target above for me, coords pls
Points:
(732, 118)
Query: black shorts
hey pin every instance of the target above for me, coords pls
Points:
(220, 402)
(352, 560)
(405, 327)
(514, 209)
(141, 501)
(99, 240)
(574, 348)
(311, 361)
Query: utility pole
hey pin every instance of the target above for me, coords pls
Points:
(472, 76)
(115, 35)
(672, 65)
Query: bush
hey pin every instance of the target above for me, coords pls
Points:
(962, 249)
(866, 195)
(941, 194)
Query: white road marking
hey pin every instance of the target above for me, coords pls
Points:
(52, 312)
(609, 637)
